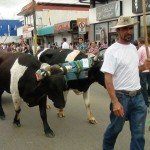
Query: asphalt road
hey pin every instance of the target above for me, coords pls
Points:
(71, 133)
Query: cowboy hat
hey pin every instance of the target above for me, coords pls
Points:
(124, 21)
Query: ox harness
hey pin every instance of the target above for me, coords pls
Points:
(79, 69)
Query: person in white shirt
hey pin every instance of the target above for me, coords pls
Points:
(65, 45)
(121, 69)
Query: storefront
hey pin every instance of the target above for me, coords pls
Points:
(45, 35)
(68, 29)
(107, 15)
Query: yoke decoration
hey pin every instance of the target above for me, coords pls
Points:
(79, 69)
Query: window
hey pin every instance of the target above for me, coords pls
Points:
(142, 27)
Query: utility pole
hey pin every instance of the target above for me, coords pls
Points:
(35, 30)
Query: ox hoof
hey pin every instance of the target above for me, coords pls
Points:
(17, 123)
(2, 117)
(92, 121)
(48, 106)
(50, 135)
(60, 114)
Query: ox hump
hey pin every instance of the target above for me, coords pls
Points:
(71, 56)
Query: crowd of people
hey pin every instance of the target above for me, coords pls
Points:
(16, 47)
(85, 47)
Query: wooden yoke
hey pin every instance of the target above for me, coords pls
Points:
(145, 28)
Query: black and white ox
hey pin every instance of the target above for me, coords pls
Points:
(18, 76)
(79, 86)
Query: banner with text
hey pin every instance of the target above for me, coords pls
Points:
(110, 10)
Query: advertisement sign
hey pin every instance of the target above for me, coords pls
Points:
(110, 10)
(61, 27)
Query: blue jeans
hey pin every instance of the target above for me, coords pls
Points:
(145, 82)
(135, 112)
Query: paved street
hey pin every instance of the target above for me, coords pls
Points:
(72, 132)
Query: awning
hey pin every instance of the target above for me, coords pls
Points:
(45, 31)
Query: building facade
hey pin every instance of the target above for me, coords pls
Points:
(103, 16)
(54, 22)
(8, 30)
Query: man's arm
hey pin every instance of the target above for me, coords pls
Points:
(145, 66)
(117, 107)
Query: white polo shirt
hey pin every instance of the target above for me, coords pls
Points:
(122, 62)
(65, 45)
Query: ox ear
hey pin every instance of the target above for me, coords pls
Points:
(41, 74)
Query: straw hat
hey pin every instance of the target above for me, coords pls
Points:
(124, 21)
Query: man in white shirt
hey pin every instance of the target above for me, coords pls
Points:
(65, 45)
(122, 81)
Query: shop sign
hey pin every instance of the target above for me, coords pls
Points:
(82, 25)
(110, 10)
(137, 6)
(61, 27)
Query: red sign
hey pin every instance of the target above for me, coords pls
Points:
(65, 26)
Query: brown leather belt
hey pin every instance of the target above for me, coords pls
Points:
(129, 93)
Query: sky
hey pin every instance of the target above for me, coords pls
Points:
(10, 8)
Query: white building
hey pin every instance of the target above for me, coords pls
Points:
(54, 21)
(104, 14)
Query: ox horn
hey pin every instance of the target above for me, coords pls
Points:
(43, 71)
(46, 67)
(41, 74)
(57, 68)
(65, 69)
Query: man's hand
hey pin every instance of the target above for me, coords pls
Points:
(118, 109)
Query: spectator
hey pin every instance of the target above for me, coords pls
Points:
(135, 43)
(93, 48)
(99, 45)
(145, 75)
(104, 45)
(71, 46)
(49, 45)
(65, 45)
(82, 46)
(56, 45)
